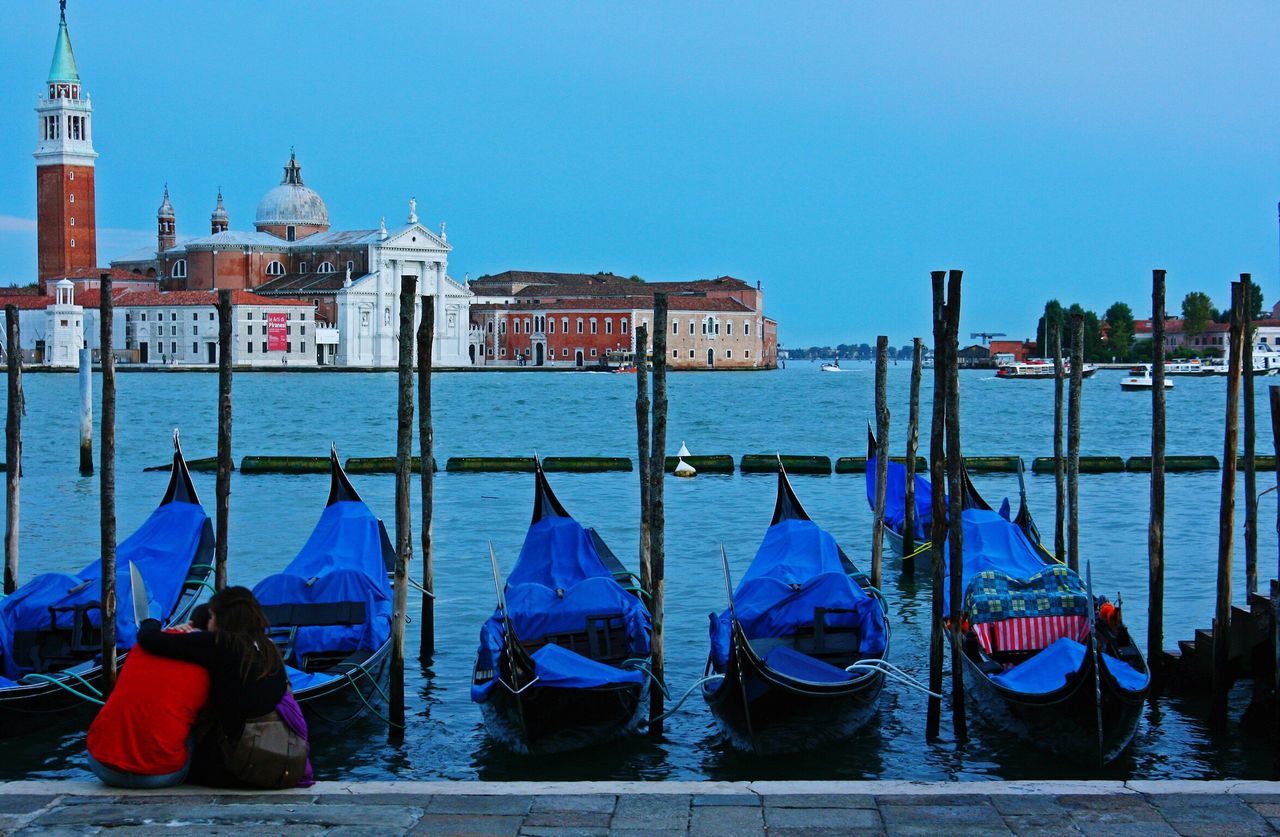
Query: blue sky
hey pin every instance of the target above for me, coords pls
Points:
(834, 152)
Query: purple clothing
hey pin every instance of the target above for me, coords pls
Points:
(291, 714)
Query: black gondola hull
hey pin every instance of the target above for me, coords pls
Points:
(761, 710)
(1063, 722)
(340, 702)
(556, 720)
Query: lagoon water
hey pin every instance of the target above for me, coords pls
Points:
(794, 410)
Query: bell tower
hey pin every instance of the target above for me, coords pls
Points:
(65, 210)
(166, 224)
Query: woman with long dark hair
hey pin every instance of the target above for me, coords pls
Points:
(247, 679)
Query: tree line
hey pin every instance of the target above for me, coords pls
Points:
(847, 351)
(1112, 336)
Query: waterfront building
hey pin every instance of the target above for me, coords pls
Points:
(579, 320)
(1214, 339)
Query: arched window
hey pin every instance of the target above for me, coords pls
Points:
(325, 267)
(275, 269)
(180, 269)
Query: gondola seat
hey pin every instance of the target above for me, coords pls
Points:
(800, 666)
(1049, 670)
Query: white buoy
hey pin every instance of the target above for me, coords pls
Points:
(684, 469)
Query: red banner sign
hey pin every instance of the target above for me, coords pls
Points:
(276, 330)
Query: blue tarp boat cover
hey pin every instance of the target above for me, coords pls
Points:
(991, 543)
(797, 569)
(1048, 670)
(341, 562)
(558, 582)
(800, 666)
(162, 549)
(895, 498)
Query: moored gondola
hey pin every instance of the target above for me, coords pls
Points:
(794, 657)
(330, 610)
(563, 661)
(1044, 661)
(895, 500)
(51, 627)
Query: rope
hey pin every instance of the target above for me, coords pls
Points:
(61, 685)
(920, 550)
(682, 699)
(416, 586)
(366, 703)
(86, 683)
(892, 672)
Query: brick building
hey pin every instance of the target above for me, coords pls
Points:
(578, 320)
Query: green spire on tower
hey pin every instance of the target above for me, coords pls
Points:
(64, 59)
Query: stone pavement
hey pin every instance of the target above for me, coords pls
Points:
(1113, 809)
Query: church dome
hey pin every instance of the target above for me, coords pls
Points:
(292, 203)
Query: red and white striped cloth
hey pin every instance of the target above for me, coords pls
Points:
(1030, 633)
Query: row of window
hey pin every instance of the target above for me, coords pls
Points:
(178, 270)
(711, 325)
(530, 326)
(195, 316)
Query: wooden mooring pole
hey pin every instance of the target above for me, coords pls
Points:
(938, 508)
(426, 476)
(882, 458)
(222, 486)
(1155, 526)
(1059, 461)
(1227, 510)
(913, 441)
(955, 491)
(1250, 450)
(642, 443)
(12, 447)
(1274, 393)
(107, 485)
(404, 528)
(1073, 442)
(657, 509)
(86, 412)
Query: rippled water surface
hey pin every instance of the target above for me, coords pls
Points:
(796, 410)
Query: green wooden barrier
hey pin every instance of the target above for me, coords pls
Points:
(489, 464)
(1260, 463)
(858, 464)
(586, 464)
(381, 465)
(1174, 464)
(284, 465)
(714, 464)
(1088, 464)
(993, 464)
(209, 464)
(767, 463)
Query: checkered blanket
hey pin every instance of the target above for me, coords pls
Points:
(1054, 591)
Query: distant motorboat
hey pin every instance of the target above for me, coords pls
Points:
(1038, 369)
(833, 366)
(1142, 380)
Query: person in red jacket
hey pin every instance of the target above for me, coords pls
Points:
(142, 737)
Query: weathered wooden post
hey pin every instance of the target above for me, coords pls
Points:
(1073, 442)
(426, 474)
(86, 412)
(222, 487)
(643, 440)
(955, 491)
(1059, 461)
(107, 485)
(913, 440)
(938, 508)
(657, 510)
(1227, 510)
(404, 529)
(1250, 451)
(882, 458)
(13, 447)
(1155, 528)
